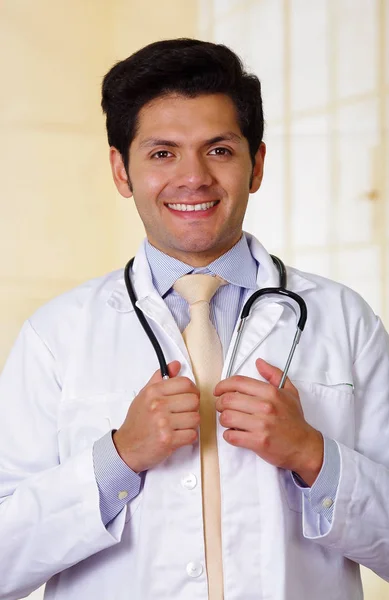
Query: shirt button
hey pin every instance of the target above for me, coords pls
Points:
(327, 502)
(122, 495)
(189, 481)
(194, 569)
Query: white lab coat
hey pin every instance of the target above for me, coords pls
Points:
(70, 378)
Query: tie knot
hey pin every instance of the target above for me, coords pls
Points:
(198, 287)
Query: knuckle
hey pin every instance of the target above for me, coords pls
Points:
(165, 437)
(189, 384)
(196, 419)
(268, 407)
(192, 436)
(236, 379)
(154, 405)
(150, 392)
(264, 439)
(273, 393)
(226, 417)
(162, 423)
(228, 398)
(196, 402)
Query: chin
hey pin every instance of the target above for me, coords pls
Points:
(193, 246)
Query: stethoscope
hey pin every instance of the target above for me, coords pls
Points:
(281, 290)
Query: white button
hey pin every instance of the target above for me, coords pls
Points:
(122, 495)
(327, 502)
(189, 481)
(194, 569)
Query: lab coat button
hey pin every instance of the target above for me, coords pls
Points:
(194, 569)
(122, 495)
(327, 502)
(189, 481)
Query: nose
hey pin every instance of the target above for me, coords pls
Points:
(193, 172)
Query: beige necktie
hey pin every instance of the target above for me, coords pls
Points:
(205, 351)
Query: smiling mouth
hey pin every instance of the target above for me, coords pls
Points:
(193, 207)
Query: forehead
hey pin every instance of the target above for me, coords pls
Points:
(188, 118)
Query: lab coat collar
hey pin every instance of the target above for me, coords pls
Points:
(267, 276)
(141, 279)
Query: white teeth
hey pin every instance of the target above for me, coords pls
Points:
(192, 207)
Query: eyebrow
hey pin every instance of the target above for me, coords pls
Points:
(229, 136)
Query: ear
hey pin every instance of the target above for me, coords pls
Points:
(258, 169)
(119, 173)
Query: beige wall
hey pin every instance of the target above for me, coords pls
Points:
(62, 221)
(56, 225)
(148, 21)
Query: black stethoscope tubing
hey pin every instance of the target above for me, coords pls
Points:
(281, 290)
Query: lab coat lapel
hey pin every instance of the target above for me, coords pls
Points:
(149, 302)
(155, 309)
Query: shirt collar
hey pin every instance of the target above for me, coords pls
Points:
(237, 266)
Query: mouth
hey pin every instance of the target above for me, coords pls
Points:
(203, 207)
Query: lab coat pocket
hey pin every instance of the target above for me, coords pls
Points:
(84, 420)
(327, 400)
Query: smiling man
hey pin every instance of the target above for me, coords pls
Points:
(191, 174)
(117, 483)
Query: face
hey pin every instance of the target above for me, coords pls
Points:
(191, 175)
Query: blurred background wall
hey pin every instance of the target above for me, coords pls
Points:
(324, 67)
(324, 203)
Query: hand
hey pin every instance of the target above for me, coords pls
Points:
(270, 422)
(163, 417)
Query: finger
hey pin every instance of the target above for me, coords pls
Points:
(243, 439)
(177, 385)
(272, 374)
(173, 368)
(181, 403)
(188, 420)
(243, 403)
(242, 384)
(234, 419)
(184, 437)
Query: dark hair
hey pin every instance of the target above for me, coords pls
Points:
(184, 66)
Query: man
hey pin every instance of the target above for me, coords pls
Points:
(116, 483)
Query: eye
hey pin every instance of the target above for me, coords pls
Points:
(220, 152)
(161, 154)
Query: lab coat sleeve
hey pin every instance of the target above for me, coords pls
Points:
(49, 512)
(360, 524)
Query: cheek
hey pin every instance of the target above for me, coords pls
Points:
(237, 184)
(147, 189)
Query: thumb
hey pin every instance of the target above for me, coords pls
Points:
(173, 368)
(271, 374)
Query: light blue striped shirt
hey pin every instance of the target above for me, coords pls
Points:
(239, 268)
